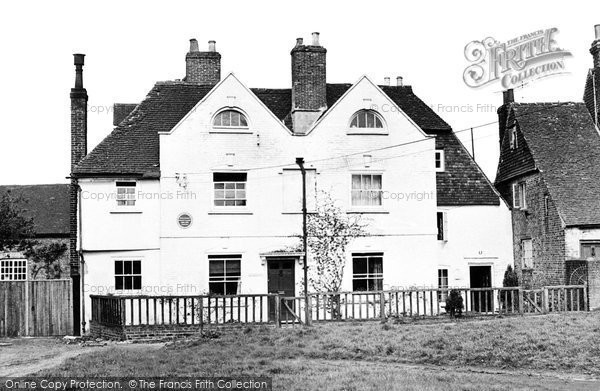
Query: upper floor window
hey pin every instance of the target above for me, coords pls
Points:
(439, 160)
(229, 188)
(514, 144)
(520, 195)
(230, 119)
(366, 190)
(366, 119)
(125, 193)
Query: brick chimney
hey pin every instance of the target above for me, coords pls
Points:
(508, 98)
(202, 67)
(309, 86)
(591, 95)
(79, 99)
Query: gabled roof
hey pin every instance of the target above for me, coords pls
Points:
(132, 148)
(48, 205)
(462, 182)
(565, 147)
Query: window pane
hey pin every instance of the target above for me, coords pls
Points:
(355, 182)
(231, 288)
(216, 268)
(354, 122)
(362, 121)
(359, 285)
(128, 282)
(243, 121)
(226, 118)
(216, 288)
(359, 265)
(137, 267)
(127, 267)
(376, 182)
(118, 282)
(378, 123)
(118, 267)
(233, 268)
(370, 120)
(137, 282)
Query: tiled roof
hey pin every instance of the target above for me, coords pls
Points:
(133, 147)
(566, 149)
(462, 182)
(48, 205)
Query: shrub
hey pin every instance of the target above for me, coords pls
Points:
(454, 304)
(510, 277)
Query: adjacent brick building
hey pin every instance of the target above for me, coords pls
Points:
(48, 207)
(549, 172)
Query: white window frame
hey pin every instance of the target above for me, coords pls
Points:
(230, 129)
(131, 275)
(441, 159)
(369, 277)
(288, 206)
(13, 269)
(444, 230)
(520, 195)
(527, 254)
(513, 140)
(352, 190)
(225, 279)
(127, 198)
(443, 296)
(225, 184)
(367, 130)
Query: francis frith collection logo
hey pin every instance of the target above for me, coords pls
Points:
(515, 62)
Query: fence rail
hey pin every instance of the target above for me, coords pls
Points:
(332, 306)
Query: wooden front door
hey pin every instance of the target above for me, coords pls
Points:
(481, 277)
(281, 280)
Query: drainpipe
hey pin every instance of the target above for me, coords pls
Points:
(81, 260)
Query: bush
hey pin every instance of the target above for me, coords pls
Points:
(510, 277)
(454, 304)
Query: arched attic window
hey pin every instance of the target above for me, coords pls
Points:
(366, 119)
(230, 119)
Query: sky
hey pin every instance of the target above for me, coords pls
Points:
(129, 45)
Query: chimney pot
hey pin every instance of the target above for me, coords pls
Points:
(194, 45)
(399, 81)
(597, 29)
(299, 41)
(386, 81)
(508, 96)
(315, 39)
(212, 46)
(78, 58)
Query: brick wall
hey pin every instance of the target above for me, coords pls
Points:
(203, 68)
(309, 77)
(547, 236)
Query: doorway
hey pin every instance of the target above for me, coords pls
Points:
(481, 300)
(281, 280)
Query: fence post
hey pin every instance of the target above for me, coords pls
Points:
(586, 299)
(545, 306)
(277, 310)
(520, 300)
(382, 305)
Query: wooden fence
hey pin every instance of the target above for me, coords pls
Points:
(36, 308)
(280, 310)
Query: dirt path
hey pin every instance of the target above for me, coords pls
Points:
(24, 356)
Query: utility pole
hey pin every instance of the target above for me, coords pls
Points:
(307, 312)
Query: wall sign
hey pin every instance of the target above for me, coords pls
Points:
(184, 220)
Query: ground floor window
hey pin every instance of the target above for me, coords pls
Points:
(442, 284)
(224, 274)
(128, 274)
(13, 269)
(367, 271)
(527, 254)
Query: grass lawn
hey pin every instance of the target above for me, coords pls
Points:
(491, 354)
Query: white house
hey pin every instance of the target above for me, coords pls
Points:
(197, 191)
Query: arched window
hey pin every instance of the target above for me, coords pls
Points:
(230, 119)
(366, 119)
